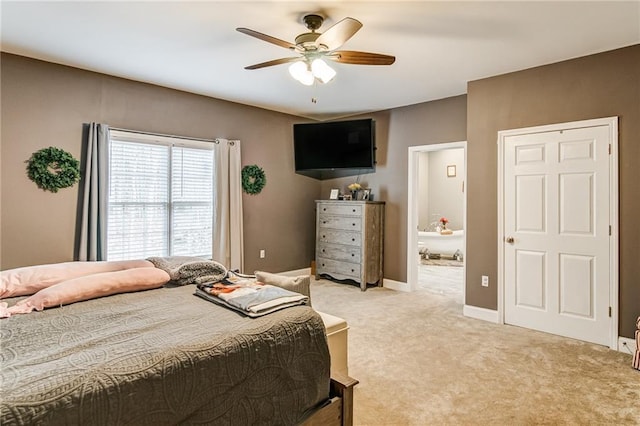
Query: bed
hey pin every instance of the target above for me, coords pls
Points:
(164, 356)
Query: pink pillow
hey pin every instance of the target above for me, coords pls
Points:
(30, 279)
(90, 287)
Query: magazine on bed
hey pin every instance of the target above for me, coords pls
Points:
(249, 296)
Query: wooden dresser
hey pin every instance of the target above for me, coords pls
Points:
(349, 241)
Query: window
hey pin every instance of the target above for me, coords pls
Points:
(160, 197)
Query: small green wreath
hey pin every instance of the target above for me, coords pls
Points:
(53, 169)
(253, 179)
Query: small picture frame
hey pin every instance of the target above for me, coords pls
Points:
(451, 171)
(366, 194)
(334, 194)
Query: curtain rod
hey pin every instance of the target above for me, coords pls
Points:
(164, 135)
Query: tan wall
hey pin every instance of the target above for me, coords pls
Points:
(396, 130)
(602, 85)
(44, 104)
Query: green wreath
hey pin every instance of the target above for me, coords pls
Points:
(53, 169)
(253, 179)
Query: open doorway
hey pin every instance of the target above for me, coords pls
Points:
(437, 219)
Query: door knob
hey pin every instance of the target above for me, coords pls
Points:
(510, 240)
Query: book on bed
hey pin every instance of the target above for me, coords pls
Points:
(249, 296)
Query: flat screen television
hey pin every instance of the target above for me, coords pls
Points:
(334, 149)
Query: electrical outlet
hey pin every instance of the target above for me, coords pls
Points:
(485, 281)
(262, 254)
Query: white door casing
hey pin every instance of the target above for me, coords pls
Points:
(557, 259)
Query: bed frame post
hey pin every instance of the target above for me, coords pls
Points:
(338, 410)
(342, 386)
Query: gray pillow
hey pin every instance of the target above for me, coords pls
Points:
(300, 284)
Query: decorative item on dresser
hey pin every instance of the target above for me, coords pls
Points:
(349, 241)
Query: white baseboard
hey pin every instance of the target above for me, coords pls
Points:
(296, 272)
(480, 313)
(395, 285)
(627, 346)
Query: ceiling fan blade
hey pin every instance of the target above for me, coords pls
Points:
(267, 38)
(361, 58)
(339, 33)
(272, 63)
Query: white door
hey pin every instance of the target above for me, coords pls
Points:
(557, 232)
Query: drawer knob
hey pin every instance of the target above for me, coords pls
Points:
(323, 264)
(353, 224)
(324, 221)
(352, 270)
(353, 239)
(354, 210)
(352, 255)
(323, 250)
(324, 210)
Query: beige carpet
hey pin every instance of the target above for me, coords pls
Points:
(420, 362)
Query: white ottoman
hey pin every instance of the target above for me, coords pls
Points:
(337, 339)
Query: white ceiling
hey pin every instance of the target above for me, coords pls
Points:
(193, 46)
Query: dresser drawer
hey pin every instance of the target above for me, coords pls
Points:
(339, 237)
(350, 210)
(341, 222)
(339, 252)
(337, 268)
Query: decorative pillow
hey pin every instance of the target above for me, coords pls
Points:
(185, 270)
(300, 284)
(29, 279)
(91, 287)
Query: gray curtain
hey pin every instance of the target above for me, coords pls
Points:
(92, 222)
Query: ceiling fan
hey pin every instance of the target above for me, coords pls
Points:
(313, 47)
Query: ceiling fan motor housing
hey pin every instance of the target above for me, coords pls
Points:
(313, 21)
(307, 41)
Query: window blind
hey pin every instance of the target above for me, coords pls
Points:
(160, 197)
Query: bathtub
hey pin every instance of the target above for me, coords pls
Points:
(442, 244)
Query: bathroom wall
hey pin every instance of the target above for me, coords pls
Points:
(445, 192)
(441, 195)
(423, 190)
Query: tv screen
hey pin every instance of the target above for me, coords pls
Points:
(334, 149)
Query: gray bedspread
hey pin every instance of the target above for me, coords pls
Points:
(161, 356)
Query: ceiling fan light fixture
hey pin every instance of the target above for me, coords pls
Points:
(301, 72)
(322, 71)
(313, 46)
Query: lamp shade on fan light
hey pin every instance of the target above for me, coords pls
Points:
(306, 74)
(301, 72)
(322, 71)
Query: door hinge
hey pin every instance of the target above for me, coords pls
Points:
(609, 230)
(609, 311)
(609, 149)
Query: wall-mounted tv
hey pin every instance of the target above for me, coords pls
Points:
(334, 149)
